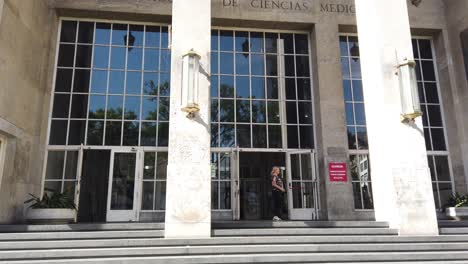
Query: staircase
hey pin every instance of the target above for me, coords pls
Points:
(232, 242)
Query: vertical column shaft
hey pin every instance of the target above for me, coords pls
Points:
(188, 195)
(401, 178)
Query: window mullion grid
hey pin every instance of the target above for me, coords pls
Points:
(234, 75)
(85, 138)
(296, 101)
(127, 51)
(72, 83)
(250, 90)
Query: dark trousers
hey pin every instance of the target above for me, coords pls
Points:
(277, 203)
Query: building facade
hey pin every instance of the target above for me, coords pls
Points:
(85, 107)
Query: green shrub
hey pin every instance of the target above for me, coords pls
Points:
(52, 199)
(457, 200)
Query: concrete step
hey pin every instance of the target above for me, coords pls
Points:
(80, 235)
(261, 240)
(453, 230)
(226, 249)
(453, 223)
(336, 257)
(303, 231)
(298, 224)
(81, 227)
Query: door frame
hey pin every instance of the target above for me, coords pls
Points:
(125, 215)
(302, 213)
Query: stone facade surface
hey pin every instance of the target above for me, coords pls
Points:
(25, 37)
(28, 31)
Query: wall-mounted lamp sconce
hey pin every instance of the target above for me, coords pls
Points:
(190, 87)
(408, 91)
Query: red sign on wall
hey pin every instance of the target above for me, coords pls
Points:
(337, 172)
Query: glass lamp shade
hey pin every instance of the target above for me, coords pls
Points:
(190, 78)
(410, 104)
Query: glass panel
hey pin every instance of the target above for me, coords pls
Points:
(243, 111)
(69, 188)
(164, 107)
(214, 196)
(271, 65)
(63, 80)
(308, 195)
(150, 83)
(118, 56)
(355, 68)
(242, 63)
(288, 43)
(360, 114)
(97, 106)
(258, 111)
(259, 136)
(135, 35)
(354, 167)
(119, 34)
(148, 167)
(348, 96)
(290, 89)
(271, 42)
(95, 132)
(76, 133)
(149, 108)
(161, 171)
(151, 59)
(258, 88)
(291, 113)
(61, 106)
(242, 87)
(289, 66)
(164, 84)
(302, 44)
(81, 83)
(257, 65)
(430, 161)
(354, 47)
(307, 137)
(357, 195)
(227, 86)
(132, 107)
(148, 195)
(226, 63)
(58, 132)
(435, 118)
(351, 137)
(114, 107)
(68, 33)
(79, 106)
(226, 41)
(302, 66)
(55, 162)
(225, 195)
(305, 112)
(357, 91)
(123, 181)
(83, 56)
(214, 40)
(226, 135)
(295, 167)
(366, 190)
(214, 110)
(53, 186)
(292, 137)
(361, 133)
(303, 89)
(214, 135)
(274, 137)
(66, 55)
(272, 88)
(164, 37)
(116, 82)
(256, 39)
(243, 136)
(296, 193)
(306, 166)
(113, 133)
(428, 70)
(273, 112)
(438, 139)
(133, 83)
(152, 36)
(227, 110)
(214, 63)
(163, 134)
(446, 191)
(345, 68)
(102, 33)
(148, 134)
(165, 60)
(225, 166)
(99, 82)
(442, 167)
(430, 90)
(130, 133)
(160, 203)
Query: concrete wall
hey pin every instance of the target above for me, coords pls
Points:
(24, 62)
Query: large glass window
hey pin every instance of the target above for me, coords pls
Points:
(356, 123)
(112, 85)
(246, 84)
(154, 181)
(61, 171)
(433, 123)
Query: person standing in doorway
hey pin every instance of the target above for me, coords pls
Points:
(277, 192)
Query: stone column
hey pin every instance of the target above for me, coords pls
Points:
(331, 132)
(401, 179)
(188, 195)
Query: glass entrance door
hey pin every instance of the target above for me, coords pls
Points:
(302, 185)
(124, 179)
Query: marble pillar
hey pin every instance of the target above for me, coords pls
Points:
(401, 178)
(188, 196)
